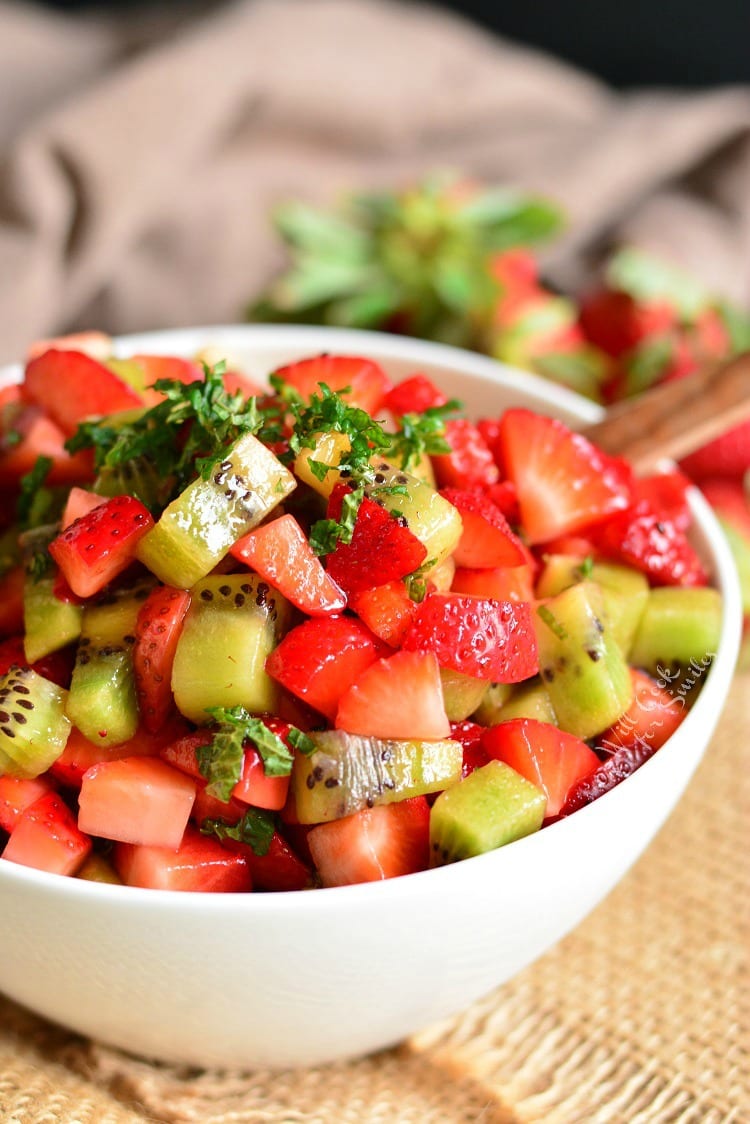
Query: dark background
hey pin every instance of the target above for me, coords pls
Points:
(683, 43)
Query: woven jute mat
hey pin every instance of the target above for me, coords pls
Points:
(641, 1016)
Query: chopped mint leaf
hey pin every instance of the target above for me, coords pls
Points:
(585, 568)
(220, 762)
(329, 412)
(301, 741)
(11, 438)
(256, 828)
(31, 485)
(326, 534)
(422, 433)
(549, 618)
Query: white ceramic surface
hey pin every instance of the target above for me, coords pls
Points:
(308, 977)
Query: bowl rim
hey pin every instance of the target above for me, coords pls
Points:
(383, 346)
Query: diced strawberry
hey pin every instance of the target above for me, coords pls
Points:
(39, 436)
(617, 768)
(642, 538)
(320, 659)
(667, 494)
(470, 735)
(477, 636)
(373, 844)
(727, 455)
(47, 837)
(577, 546)
(11, 601)
(616, 323)
(199, 864)
(515, 269)
(400, 697)
(487, 540)
(254, 786)
(71, 386)
(505, 583)
(96, 548)
(387, 610)
(157, 632)
(414, 395)
(57, 666)
(209, 807)
(382, 549)
(136, 800)
(80, 502)
(237, 382)
(550, 758)
(564, 483)
(652, 717)
(366, 380)
(504, 495)
(280, 552)
(17, 794)
(470, 463)
(489, 428)
(80, 754)
(173, 367)
(730, 501)
(279, 869)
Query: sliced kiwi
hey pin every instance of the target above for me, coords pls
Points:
(434, 521)
(493, 806)
(33, 724)
(679, 626)
(233, 624)
(198, 528)
(348, 772)
(624, 590)
(102, 701)
(582, 665)
(529, 700)
(49, 623)
(462, 694)
(495, 698)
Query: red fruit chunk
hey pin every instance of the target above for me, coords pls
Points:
(563, 482)
(156, 367)
(279, 869)
(96, 344)
(607, 775)
(136, 800)
(40, 437)
(399, 697)
(550, 758)
(666, 492)
(727, 455)
(730, 502)
(157, 632)
(80, 754)
(320, 659)
(414, 395)
(504, 495)
(641, 538)
(199, 864)
(47, 837)
(387, 610)
(11, 601)
(100, 545)
(12, 652)
(505, 583)
(616, 323)
(373, 844)
(71, 386)
(381, 549)
(253, 787)
(652, 717)
(208, 807)
(280, 552)
(470, 463)
(80, 502)
(365, 382)
(470, 735)
(57, 666)
(477, 636)
(18, 794)
(487, 540)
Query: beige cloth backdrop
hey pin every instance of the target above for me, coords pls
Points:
(139, 160)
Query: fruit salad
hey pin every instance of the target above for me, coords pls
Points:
(321, 632)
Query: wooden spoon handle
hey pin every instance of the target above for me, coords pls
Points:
(677, 417)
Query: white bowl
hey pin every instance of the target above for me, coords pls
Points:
(301, 978)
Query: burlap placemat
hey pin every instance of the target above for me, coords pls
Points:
(641, 1016)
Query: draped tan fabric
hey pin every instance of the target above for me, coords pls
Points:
(138, 162)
